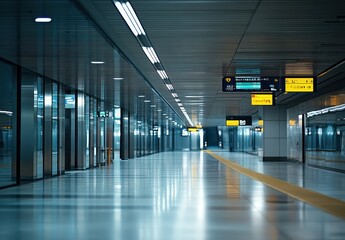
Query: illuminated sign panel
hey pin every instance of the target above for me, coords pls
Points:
(234, 121)
(69, 101)
(250, 83)
(103, 114)
(298, 84)
(193, 129)
(262, 99)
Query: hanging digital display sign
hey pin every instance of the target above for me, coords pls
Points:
(299, 84)
(250, 83)
(262, 99)
(235, 121)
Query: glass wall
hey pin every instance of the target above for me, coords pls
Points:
(8, 79)
(246, 139)
(93, 132)
(117, 132)
(325, 140)
(316, 131)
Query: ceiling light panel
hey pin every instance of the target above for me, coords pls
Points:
(43, 20)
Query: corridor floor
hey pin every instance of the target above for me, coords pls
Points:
(172, 195)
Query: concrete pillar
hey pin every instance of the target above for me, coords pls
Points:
(275, 133)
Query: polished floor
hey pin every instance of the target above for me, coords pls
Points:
(172, 195)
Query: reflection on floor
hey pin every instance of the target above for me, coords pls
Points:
(326, 159)
(6, 170)
(173, 195)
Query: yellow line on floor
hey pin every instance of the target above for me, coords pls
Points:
(331, 205)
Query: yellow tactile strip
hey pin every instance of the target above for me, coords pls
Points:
(331, 205)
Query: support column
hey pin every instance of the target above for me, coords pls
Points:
(81, 132)
(124, 137)
(275, 133)
(28, 164)
(48, 102)
(131, 136)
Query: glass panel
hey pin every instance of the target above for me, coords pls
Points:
(39, 108)
(55, 129)
(7, 139)
(117, 132)
(324, 140)
(95, 150)
(87, 129)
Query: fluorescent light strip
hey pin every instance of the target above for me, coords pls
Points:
(165, 74)
(186, 115)
(129, 14)
(148, 54)
(7, 112)
(162, 74)
(174, 95)
(43, 20)
(130, 17)
(180, 104)
(326, 110)
(177, 100)
(170, 86)
(141, 29)
(126, 17)
(151, 54)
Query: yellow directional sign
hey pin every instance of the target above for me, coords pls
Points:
(190, 129)
(232, 123)
(298, 84)
(262, 99)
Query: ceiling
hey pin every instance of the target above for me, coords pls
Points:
(197, 41)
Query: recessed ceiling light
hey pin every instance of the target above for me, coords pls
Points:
(147, 101)
(43, 20)
(118, 78)
(97, 62)
(141, 96)
(159, 110)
